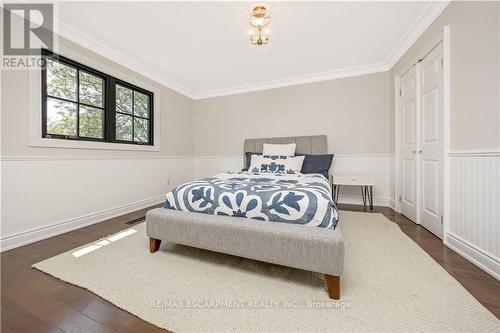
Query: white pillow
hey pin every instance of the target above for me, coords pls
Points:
(290, 165)
(279, 150)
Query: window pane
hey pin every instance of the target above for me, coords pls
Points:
(141, 130)
(123, 99)
(61, 117)
(91, 89)
(123, 127)
(61, 80)
(91, 121)
(141, 104)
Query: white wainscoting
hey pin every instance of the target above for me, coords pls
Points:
(392, 182)
(375, 165)
(473, 229)
(43, 196)
(47, 196)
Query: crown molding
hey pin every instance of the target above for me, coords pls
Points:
(296, 80)
(84, 40)
(424, 20)
(66, 31)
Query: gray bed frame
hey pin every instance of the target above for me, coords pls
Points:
(313, 249)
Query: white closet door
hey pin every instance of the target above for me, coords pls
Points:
(431, 141)
(408, 112)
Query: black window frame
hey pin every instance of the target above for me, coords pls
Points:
(114, 83)
(109, 104)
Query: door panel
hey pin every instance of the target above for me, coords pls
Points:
(431, 145)
(408, 111)
(430, 180)
(409, 124)
(409, 178)
(430, 116)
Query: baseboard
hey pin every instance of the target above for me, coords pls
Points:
(392, 204)
(34, 235)
(485, 261)
(357, 200)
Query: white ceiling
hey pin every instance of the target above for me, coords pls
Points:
(201, 49)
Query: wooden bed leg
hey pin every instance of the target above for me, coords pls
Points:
(154, 244)
(333, 286)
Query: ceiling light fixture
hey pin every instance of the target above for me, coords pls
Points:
(259, 19)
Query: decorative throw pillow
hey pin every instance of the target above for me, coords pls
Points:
(276, 164)
(248, 159)
(279, 149)
(317, 164)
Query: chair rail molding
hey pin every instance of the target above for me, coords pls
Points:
(472, 153)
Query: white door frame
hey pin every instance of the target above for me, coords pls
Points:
(404, 153)
(445, 38)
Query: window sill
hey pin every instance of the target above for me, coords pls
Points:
(73, 144)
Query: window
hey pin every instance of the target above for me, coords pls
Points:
(80, 103)
(132, 114)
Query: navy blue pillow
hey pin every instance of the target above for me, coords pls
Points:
(317, 164)
(248, 159)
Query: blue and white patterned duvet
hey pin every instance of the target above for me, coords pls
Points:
(303, 199)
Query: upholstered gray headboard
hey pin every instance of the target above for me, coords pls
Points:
(315, 144)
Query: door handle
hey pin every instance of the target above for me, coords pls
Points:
(420, 151)
(413, 152)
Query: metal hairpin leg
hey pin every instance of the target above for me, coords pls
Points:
(370, 197)
(363, 194)
(336, 191)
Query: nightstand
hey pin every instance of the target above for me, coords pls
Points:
(366, 184)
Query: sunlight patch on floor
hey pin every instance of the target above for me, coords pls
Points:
(103, 242)
(122, 235)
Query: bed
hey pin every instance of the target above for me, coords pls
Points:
(242, 214)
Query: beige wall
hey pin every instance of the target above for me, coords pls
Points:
(176, 116)
(65, 193)
(353, 112)
(474, 71)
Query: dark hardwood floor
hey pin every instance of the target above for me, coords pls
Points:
(32, 301)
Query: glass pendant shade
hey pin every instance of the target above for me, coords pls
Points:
(260, 17)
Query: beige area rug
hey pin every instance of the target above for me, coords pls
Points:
(389, 284)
